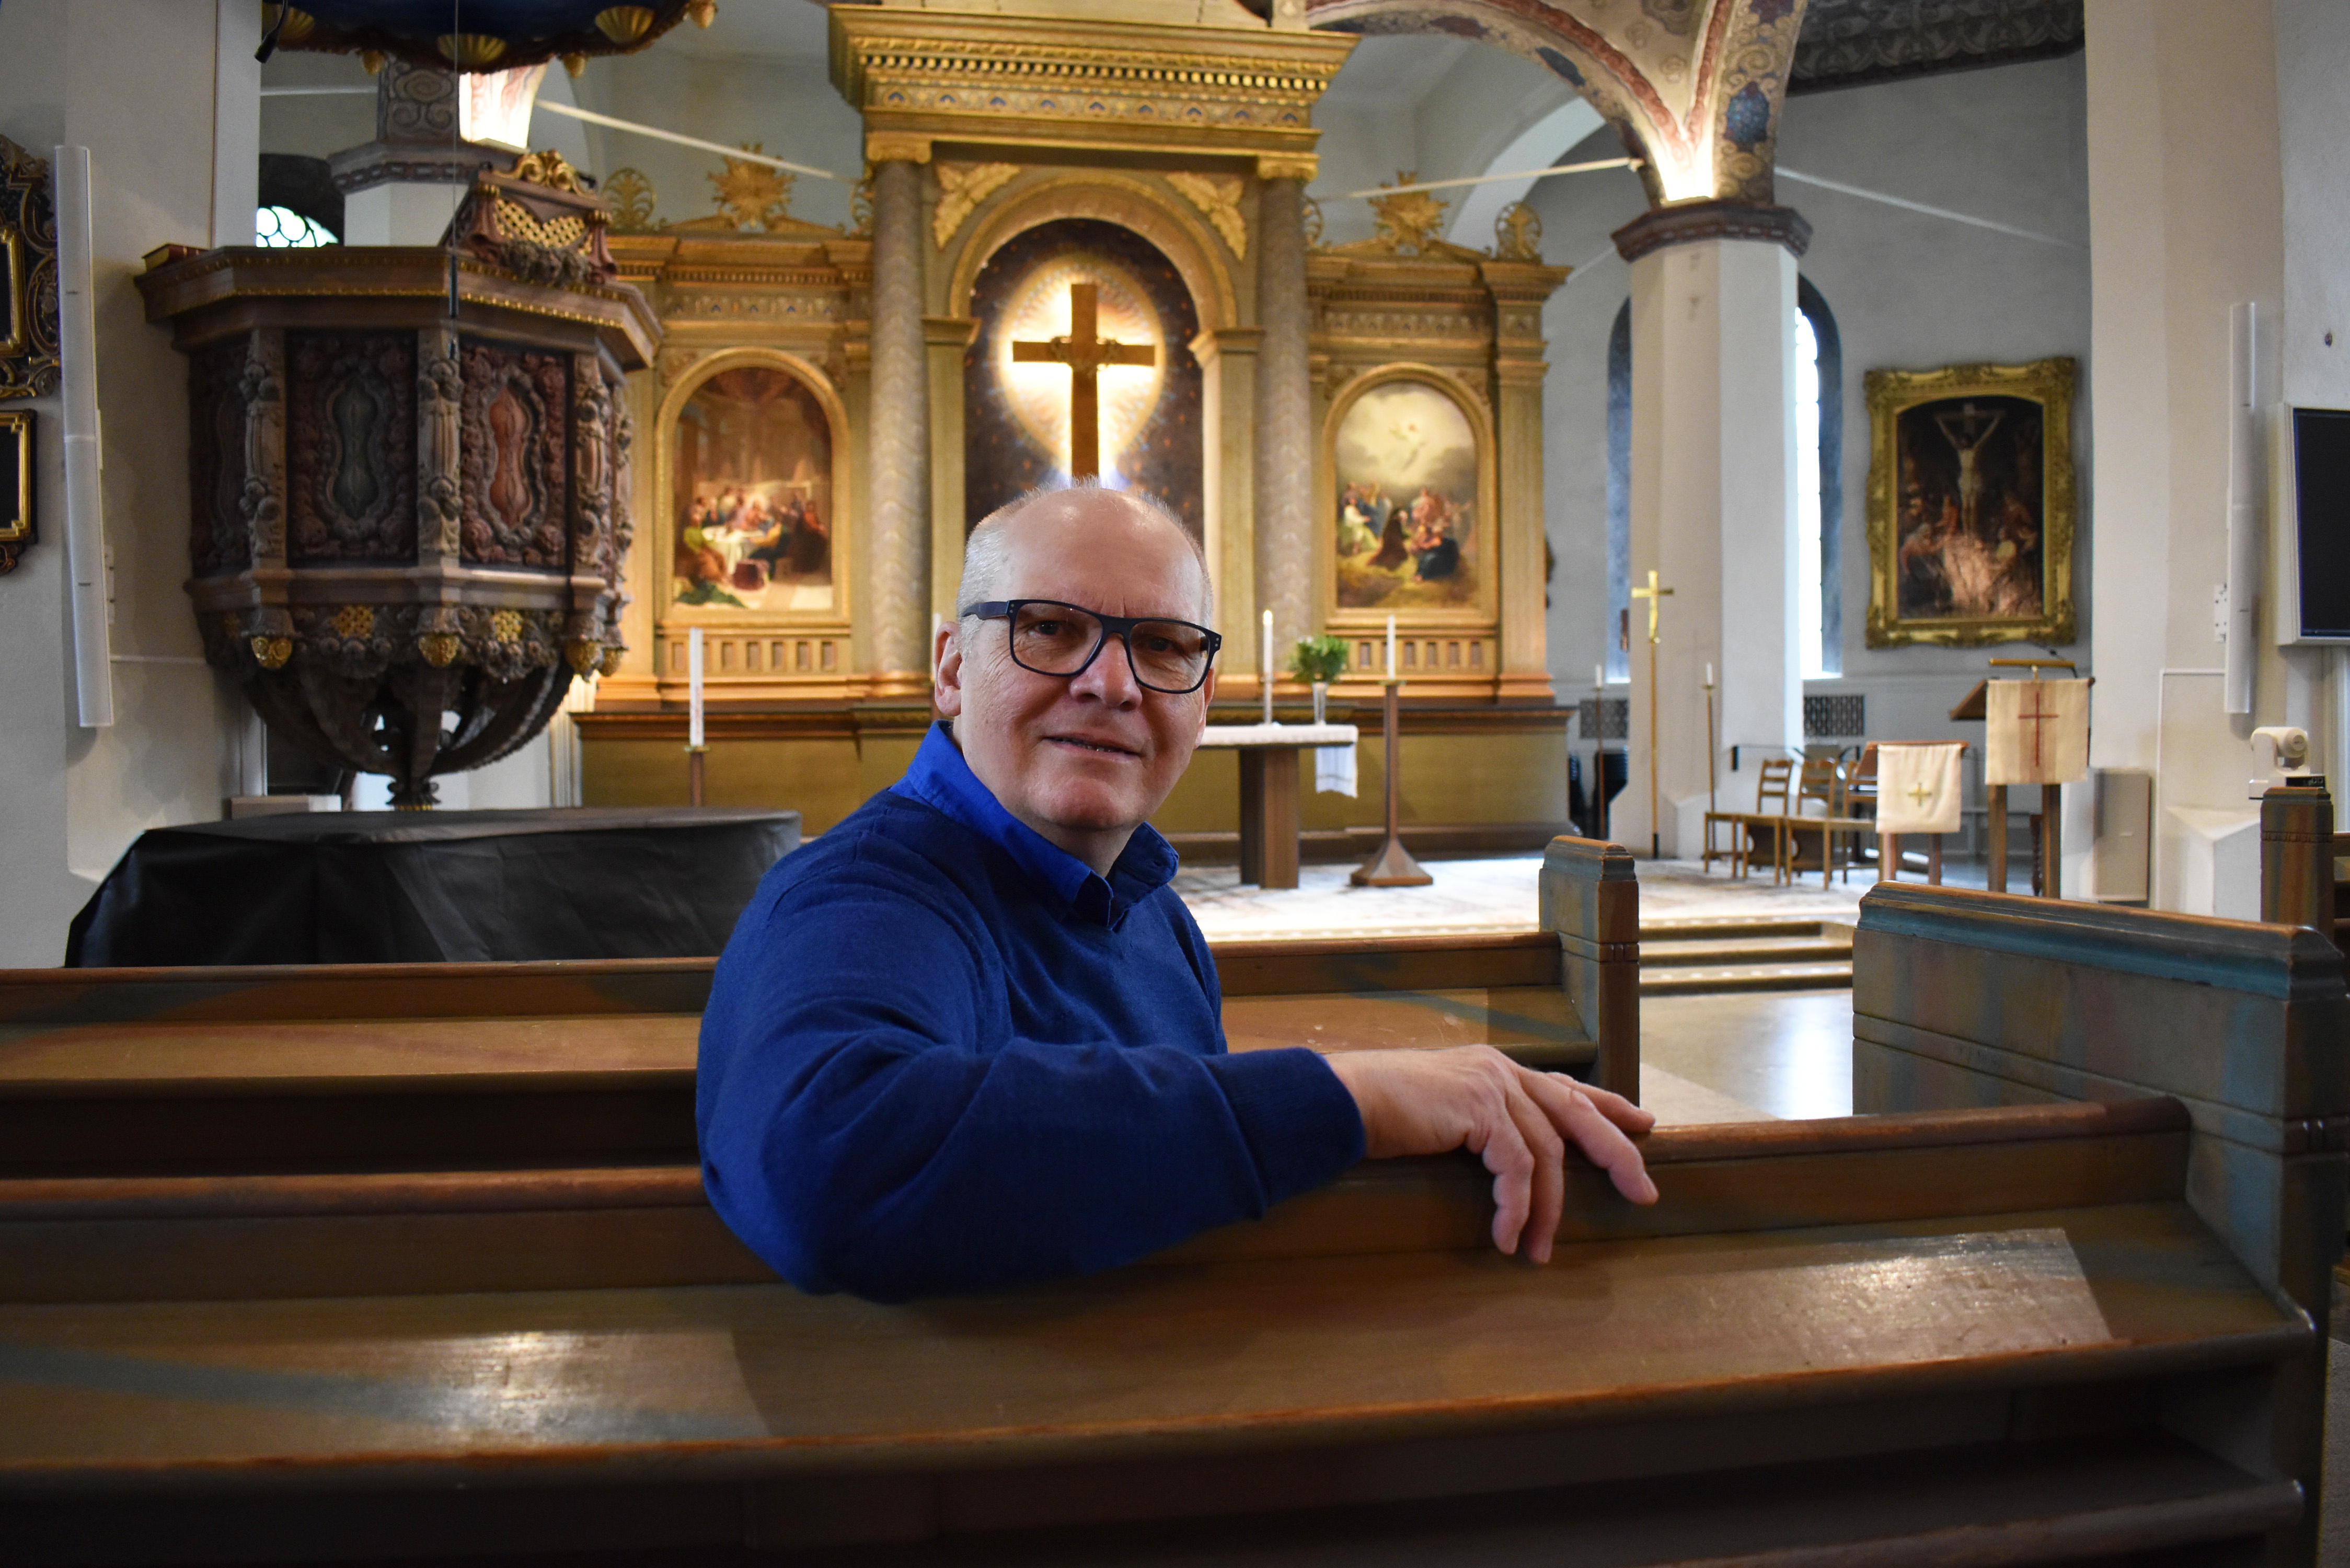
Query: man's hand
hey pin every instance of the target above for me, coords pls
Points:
(1516, 1120)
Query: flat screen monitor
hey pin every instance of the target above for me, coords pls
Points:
(2319, 481)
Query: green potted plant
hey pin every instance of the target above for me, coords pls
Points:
(1320, 660)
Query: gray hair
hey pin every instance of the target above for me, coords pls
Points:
(986, 554)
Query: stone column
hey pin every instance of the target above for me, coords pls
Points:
(946, 340)
(1713, 503)
(1228, 361)
(898, 491)
(1284, 414)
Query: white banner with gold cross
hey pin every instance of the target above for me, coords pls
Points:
(1918, 786)
(2039, 731)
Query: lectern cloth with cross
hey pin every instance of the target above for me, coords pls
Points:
(2038, 731)
(1085, 353)
(1918, 786)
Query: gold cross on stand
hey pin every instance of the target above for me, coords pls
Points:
(1653, 593)
(1920, 795)
(1085, 353)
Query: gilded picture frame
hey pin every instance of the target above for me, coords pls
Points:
(28, 275)
(15, 487)
(1972, 505)
(1418, 597)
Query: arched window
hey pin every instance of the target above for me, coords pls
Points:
(1819, 490)
(1620, 493)
(1819, 487)
(283, 228)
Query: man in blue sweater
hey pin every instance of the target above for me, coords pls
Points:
(972, 1038)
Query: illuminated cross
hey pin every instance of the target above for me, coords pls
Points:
(1920, 795)
(2038, 719)
(1086, 354)
(1652, 593)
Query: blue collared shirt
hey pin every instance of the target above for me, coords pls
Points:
(942, 1054)
(941, 778)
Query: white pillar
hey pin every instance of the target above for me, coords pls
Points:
(236, 120)
(898, 510)
(1714, 502)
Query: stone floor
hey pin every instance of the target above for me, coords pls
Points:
(1497, 895)
(1743, 1058)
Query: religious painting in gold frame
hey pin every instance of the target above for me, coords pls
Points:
(753, 479)
(15, 487)
(1972, 504)
(1411, 526)
(28, 275)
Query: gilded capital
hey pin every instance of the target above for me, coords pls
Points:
(896, 147)
(1299, 166)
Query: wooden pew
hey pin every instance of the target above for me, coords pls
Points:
(462, 1295)
(1566, 998)
(1967, 999)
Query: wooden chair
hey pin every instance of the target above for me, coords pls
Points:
(1775, 786)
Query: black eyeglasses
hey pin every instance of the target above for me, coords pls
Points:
(1051, 638)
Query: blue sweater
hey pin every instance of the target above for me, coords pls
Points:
(943, 1054)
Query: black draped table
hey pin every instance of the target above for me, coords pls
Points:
(395, 887)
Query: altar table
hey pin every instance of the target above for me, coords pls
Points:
(399, 886)
(1268, 757)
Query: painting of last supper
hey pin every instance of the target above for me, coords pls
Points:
(752, 483)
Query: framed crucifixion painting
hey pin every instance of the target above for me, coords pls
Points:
(1971, 509)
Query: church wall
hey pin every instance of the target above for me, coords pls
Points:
(76, 798)
(2217, 146)
(1908, 291)
(788, 104)
(1913, 292)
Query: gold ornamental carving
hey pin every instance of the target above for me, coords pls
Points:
(751, 192)
(549, 168)
(1302, 167)
(1517, 233)
(1218, 197)
(630, 195)
(1408, 219)
(962, 188)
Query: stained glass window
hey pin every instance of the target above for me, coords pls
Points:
(283, 228)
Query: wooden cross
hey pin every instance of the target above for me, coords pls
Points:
(2038, 719)
(1652, 593)
(1085, 353)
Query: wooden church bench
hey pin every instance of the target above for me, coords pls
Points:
(564, 1064)
(1976, 999)
(2003, 1335)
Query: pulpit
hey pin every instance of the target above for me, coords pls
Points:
(410, 493)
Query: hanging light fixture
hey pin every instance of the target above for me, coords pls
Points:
(499, 34)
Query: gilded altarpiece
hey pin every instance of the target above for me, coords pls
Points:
(755, 413)
(1428, 365)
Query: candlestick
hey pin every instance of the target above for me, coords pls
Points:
(1265, 681)
(693, 687)
(1391, 674)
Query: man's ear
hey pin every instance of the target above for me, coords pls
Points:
(946, 670)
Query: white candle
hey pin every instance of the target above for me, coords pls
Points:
(1709, 677)
(693, 687)
(1268, 666)
(1598, 675)
(1392, 647)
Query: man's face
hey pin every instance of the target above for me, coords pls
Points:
(1082, 759)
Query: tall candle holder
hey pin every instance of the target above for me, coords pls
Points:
(1393, 865)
